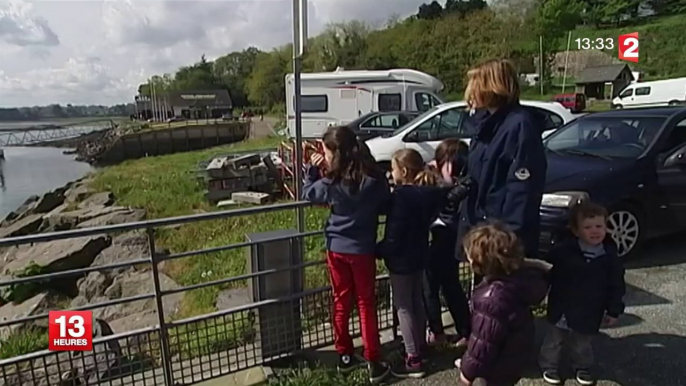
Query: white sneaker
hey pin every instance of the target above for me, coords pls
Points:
(458, 362)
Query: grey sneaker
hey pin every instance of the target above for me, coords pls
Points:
(584, 377)
(378, 371)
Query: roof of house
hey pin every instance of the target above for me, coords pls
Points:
(200, 98)
(602, 73)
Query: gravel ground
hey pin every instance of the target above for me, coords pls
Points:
(647, 348)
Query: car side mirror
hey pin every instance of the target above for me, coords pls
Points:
(678, 159)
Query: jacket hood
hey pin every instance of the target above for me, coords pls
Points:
(528, 284)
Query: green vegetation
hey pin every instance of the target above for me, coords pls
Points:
(445, 39)
(166, 186)
(319, 376)
(24, 341)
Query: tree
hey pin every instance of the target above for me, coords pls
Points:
(233, 71)
(266, 84)
(430, 11)
(340, 45)
(463, 8)
(199, 76)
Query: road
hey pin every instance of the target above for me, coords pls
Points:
(647, 348)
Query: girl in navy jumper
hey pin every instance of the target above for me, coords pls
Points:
(442, 271)
(357, 192)
(405, 249)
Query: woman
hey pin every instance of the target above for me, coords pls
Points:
(506, 161)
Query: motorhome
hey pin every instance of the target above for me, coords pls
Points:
(668, 92)
(339, 97)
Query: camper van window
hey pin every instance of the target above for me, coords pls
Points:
(643, 91)
(390, 102)
(314, 103)
(425, 101)
(627, 93)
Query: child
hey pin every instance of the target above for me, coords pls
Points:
(442, 271)
(357, 192)
(587, 286)
(405, 248)
(502, 323)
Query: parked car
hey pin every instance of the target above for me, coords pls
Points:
(576, 103)
(444, 121)
(375, 124)
(668, 92)
(631, 161)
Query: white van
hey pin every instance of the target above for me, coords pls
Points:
(668, 92)
(339, 97)
(445, 121)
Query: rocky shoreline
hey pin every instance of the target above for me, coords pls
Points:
(76, 206)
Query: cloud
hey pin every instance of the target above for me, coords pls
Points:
(19, 27)
(107, 47)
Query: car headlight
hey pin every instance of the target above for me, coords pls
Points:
(563, 199)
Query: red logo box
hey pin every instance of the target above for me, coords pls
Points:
(628, 47)
(70, 330)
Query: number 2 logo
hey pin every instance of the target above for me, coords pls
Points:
(628, 47)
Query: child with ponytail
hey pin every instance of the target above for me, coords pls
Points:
(415, 203)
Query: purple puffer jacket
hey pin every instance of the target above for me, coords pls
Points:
(502, 338)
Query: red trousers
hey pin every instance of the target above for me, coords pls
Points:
(354, 274)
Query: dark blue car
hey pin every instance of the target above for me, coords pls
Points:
(631, 161)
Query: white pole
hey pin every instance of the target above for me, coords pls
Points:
(564, 76)
(153, 108)
(299, 42)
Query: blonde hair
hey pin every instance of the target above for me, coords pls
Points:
(492, 84)
(417, 172)
(493, 250)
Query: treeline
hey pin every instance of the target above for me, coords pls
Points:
(445, 39)
(68, 111)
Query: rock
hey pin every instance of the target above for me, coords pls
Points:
(117, 217)
(94, 284)
(22, 227)
(28, 204)
(139, 314)
(125, 247)
(77, 192)
(231, 298)
(10, 311)
(70, 219)
(49, 201)
(60, 255)
(98, 199)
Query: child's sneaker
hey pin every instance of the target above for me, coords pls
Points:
(458, 363)
(461, 344)
(552, 377)
(584, 377)
(378, 371)
(348, 363)
(436, 339)
(411, 368)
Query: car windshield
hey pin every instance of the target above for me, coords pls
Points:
(606, 137)
(403, 127)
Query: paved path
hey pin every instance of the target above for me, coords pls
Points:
(262, 129)
(648, 348)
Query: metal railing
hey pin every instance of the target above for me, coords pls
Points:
(186, 351)
(31, 136)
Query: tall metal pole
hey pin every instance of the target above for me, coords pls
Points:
(564, 76)
(299, 42)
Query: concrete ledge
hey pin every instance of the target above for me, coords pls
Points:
(255, 376)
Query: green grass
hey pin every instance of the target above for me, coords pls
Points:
(166, 186)
(24, 341)
(319, 376)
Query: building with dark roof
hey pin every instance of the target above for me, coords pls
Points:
(593, 81)
(200, 104)
(188, 104)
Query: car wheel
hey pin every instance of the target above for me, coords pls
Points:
(625, 225)
(674, 103)
(618, 107)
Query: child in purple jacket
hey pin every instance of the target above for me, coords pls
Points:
(502, 332)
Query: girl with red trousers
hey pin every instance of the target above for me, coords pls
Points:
(349, 181)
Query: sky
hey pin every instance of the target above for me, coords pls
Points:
(99, 51)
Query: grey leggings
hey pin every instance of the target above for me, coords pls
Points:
(409, 302)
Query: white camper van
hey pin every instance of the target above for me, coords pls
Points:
(339, 97)
(668, 92)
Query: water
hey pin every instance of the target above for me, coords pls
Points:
(34, 171)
